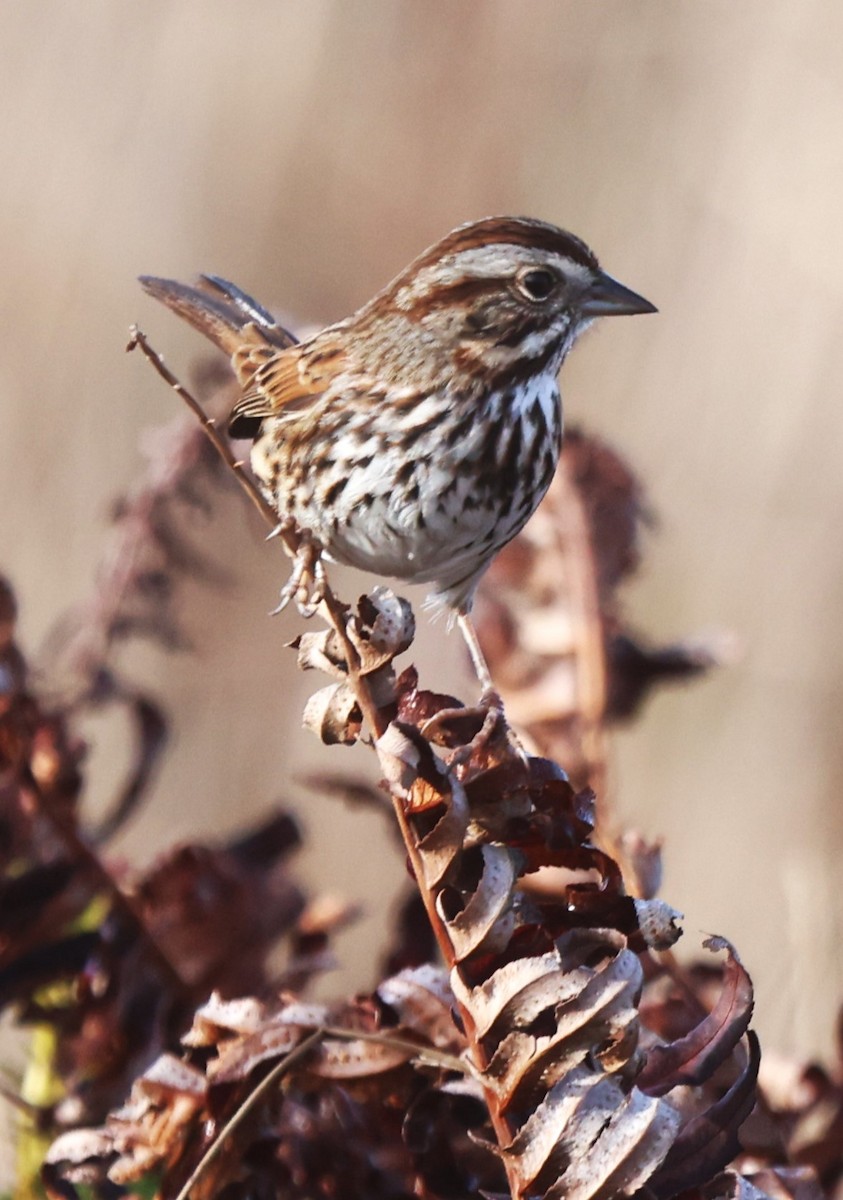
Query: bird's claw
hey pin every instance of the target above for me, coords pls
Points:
(306, 585)
(490, 707)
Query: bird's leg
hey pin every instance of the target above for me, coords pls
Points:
(478, 658)
(306, 584)
(490, 698)
(490, 702)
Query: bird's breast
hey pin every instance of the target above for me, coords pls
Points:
(415, 488)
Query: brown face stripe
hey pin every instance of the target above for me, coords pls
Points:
(449, 295)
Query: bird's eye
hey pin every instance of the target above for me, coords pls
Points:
(537, 284)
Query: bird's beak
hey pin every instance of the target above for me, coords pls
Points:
(605, 297)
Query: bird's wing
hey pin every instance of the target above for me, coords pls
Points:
(282, 384)
(280, 377)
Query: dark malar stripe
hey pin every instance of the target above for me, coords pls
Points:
(527, 325)
(520, 370)
(524, 369)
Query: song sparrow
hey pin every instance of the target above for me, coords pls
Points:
(415, 438)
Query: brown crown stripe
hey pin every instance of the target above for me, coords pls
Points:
(514, 231)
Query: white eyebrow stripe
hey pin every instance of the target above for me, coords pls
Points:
(497, 261)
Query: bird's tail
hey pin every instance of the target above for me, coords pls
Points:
(219, 310)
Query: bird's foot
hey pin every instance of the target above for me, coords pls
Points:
(306, 585)
(494, 724)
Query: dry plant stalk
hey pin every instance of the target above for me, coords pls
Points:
(546, 988)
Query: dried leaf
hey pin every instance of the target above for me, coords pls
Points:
(694, 1058)
(422, 1001)
(334, 715)
(218, 1016)
(321, 651)
(486, 919)
(658, 923)
(596, 1008)
(357, 1059)
(630, 1141)
(382, 627)
(272, 1041)
(709, 1141)
(588, 1139)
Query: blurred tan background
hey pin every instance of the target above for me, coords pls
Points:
(308, 151)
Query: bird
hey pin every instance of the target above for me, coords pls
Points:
(416, 437)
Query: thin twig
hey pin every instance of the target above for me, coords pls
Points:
(281, 1068)
(139, 340)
